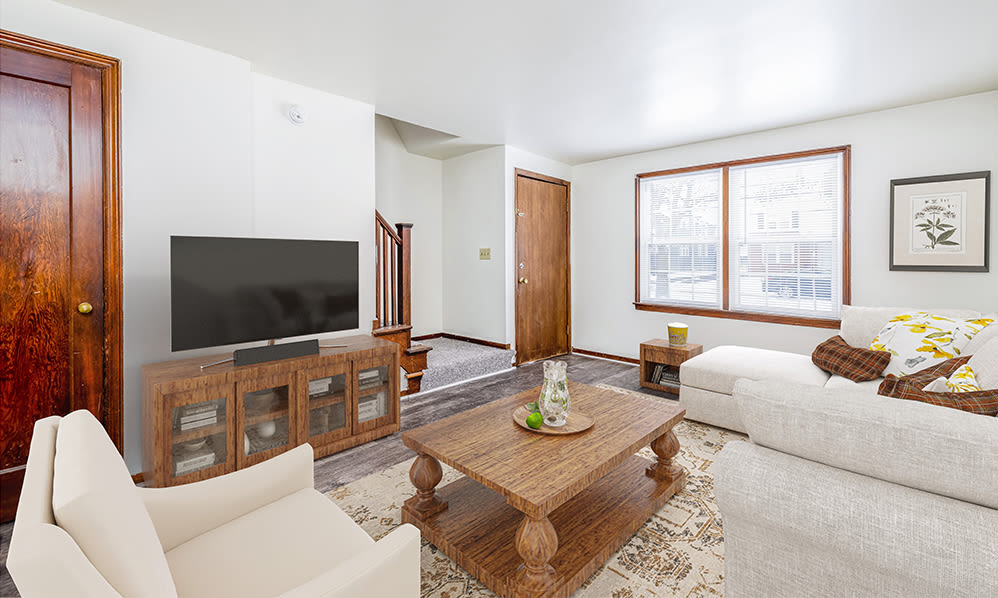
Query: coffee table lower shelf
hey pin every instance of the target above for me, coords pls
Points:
(478, 527)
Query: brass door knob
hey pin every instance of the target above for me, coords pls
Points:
(523, 281)
(84, 308)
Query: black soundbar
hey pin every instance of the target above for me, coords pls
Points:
(275, 352)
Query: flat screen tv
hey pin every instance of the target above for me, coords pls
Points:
(226, 290)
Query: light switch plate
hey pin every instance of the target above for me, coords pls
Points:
(485, 253)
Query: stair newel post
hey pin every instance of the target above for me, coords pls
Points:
(405, 273)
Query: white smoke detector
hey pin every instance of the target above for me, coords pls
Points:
(296, 114)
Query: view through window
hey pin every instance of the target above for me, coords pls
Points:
(762, 236)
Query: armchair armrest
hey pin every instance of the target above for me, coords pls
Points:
(180, 513)
(937, 449)
(389, 568)
(46, 561)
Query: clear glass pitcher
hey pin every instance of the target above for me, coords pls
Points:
(554, 401)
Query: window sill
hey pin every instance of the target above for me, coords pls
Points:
(739, 315)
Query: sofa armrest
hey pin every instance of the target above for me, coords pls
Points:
(937, 449)
(46, 561)
(389, 568)
(180, 513)
(793, 527)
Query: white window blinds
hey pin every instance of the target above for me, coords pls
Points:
(785, 236)
(680, 239)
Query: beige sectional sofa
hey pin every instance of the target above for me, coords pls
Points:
(841, 492)
(708, 380)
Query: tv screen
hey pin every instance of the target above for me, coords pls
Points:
(231, 290)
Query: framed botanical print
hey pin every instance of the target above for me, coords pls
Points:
(941, 223)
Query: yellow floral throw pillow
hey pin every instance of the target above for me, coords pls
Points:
(918, 340)
(962, 380)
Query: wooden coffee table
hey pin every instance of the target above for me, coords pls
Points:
(537, 514)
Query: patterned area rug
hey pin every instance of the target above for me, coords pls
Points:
(678, 552)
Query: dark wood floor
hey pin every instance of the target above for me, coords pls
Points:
(342, 468)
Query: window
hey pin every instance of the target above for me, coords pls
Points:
(762, 239)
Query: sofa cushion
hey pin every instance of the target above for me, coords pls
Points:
(839, 382)
(917, 340)
(860, 324)
(719, 368)
(982, 338)
(268, 551)
(985, 364)
(96, 502)
(945, 451)
(962, 380)
(835, 356)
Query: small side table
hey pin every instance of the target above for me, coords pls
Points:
(660, 363)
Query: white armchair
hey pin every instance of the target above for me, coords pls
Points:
(83, 529)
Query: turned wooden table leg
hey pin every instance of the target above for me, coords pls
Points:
(536, 541)
(665, 448)
(425, 474)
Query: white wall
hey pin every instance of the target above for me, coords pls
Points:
(517, 158)
(199, 134)
(949, 136)
(409, 188)
(474, 291)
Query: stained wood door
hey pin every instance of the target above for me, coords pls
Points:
(55, 354)
(542, 269)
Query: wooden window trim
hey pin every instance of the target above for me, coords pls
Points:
(724, 312)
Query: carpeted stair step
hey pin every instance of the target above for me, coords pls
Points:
(453, 361)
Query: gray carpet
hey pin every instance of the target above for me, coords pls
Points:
(453, 361)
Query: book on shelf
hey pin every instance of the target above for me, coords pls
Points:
(198, 408)
(320, 386)
(198, 423)
(668, 376)
(194, 462)
(199, 416)
(371, 409)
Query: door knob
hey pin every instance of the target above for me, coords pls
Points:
(84, 308)
(523, 281)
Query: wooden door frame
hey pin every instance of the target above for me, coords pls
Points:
(518, 172)
(110, 70)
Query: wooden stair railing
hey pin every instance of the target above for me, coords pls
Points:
(393, 297)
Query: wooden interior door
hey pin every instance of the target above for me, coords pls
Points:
(542, 269)
(59, 271)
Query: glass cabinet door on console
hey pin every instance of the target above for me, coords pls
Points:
(201, 435)
(327, 414)
(265, 422)
(374, 381)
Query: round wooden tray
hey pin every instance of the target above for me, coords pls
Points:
(576, 422)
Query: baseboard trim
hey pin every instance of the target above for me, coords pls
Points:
(467, 339)
(609, 356)
(426, 337)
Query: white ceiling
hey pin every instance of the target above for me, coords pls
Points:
(581, 80)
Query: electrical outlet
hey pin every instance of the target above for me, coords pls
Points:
(485, 253)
